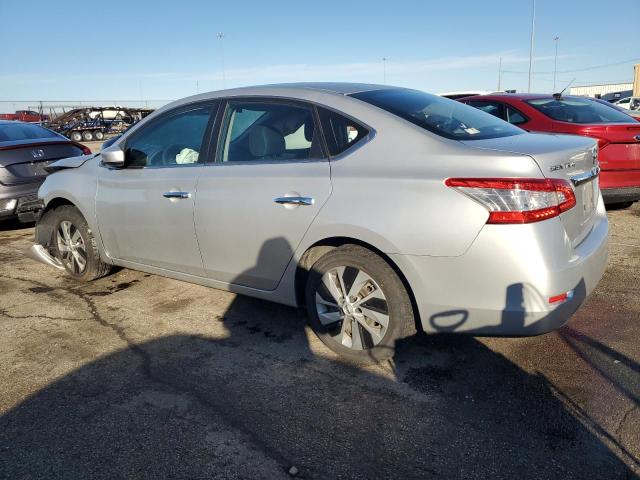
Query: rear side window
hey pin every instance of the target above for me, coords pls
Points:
(514, 117)
(493, 108)
(12, 132)
(444, 117)
(340, 132)
(578, 110)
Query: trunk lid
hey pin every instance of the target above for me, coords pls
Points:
(619, 144)
(26, 161)
(567, 157)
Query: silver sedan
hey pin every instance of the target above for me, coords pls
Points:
(381, 210)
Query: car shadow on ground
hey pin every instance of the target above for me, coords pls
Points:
(10, 225)
(259, 401)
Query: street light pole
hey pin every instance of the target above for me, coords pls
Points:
(384, 70)
(555, 63)
(220, 36)
(533, 27)
(499, 74)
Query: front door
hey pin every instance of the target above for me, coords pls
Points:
(256, 202)
(145, 210)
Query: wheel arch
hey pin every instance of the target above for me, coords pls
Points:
(319, 248)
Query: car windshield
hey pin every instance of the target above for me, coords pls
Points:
(11, 132)
(444, 117)
(578, 110)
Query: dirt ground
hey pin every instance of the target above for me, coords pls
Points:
(140, 376)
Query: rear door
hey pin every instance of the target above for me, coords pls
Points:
(145, 210)
(255, 203)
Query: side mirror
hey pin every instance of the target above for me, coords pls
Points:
(113, 156)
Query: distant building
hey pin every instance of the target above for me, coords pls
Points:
(609, 91)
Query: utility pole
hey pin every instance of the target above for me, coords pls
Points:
(220, 36)
(533, 29)
(555, 63)
(499, 73)
(384, 70)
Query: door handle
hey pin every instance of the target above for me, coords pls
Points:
(294, 200)
(176, 195)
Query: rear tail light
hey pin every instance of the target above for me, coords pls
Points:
(561, 297)
(517, 200)
(85, 150)
(602, 142)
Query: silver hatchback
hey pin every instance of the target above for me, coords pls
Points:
(381, 210)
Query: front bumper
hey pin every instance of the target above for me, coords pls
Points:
(503, 284)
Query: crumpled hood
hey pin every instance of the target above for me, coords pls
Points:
(71, 162)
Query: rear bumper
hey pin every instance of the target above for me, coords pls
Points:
(26, 197)
(620, 195)
(502, 285)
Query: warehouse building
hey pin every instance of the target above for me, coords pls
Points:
(610, 91)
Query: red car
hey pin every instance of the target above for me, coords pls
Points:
(24, 116)
(617, 133)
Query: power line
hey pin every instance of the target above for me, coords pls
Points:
(594, 67)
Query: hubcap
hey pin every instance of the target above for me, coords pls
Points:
(352, 308)
(71, 246)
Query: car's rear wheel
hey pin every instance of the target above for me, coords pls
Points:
(87, 136)
(357, 304)
(75, 246)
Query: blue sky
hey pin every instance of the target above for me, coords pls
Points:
(141, 49)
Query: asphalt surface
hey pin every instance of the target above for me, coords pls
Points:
(139, 376)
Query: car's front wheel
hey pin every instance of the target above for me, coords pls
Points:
(357, 304)
(75, 246)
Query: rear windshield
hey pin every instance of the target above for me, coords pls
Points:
(10, 132)
(444, 117)
(578, 110)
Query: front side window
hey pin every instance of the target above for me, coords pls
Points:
(172, 141)
(264, 131)
(578, 110)
(340, 132)
(444, 117)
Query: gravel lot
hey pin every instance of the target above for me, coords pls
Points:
(144, 377)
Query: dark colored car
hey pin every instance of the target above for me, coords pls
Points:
(25, 150)
(617, 133)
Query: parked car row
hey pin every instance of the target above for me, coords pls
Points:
(617, 134)
(380, 210)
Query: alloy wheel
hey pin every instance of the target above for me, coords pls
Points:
(72, 248)
(352, 307)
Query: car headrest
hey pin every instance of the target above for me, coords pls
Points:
(265, 142)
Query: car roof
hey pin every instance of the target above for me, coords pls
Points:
(517, 96)
(341, 88)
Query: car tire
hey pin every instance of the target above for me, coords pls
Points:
(76, 136)
(87, 136)
(75, 246)
(381, 298)
(619, 205)
(98, 135)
